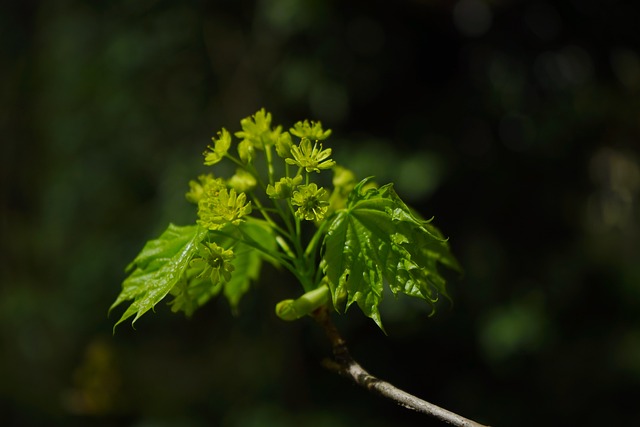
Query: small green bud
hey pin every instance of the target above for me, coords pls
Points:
(246, 151)
(283, 189)
(283, 145)
(295, 309)
(242, 181)
(343, 182)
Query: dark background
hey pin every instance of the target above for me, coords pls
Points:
(516, 124)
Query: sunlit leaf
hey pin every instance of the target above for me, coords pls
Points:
(158, 268)
(163, 267)
(377, 239)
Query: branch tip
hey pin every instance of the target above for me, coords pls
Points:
(344, 365)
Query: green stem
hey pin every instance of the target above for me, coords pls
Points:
(287, 220)
(310, 252)
(267, 151)
(266, 216)
(311, 247)
(249, 241)
(237, 162)
(299, 237)
(249, 168)
(298, 268)
(305, 276)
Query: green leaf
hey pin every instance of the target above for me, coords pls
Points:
(158, 268)
(377, 238)
(163, 267)
(193, 293)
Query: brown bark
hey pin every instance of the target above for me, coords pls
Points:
(343, 364)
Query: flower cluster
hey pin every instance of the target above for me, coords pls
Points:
(291, 191)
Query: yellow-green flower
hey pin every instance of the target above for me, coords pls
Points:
(219, 207)
(197, 189)
(215, 153)
(242, 181)
(215, 262)
(257, 131)
(283, 188)
(311, 201)
(309, 157)
(311, 130)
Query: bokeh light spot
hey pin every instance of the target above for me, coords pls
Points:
(472, 17)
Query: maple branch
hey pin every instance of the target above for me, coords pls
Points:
(343, 364)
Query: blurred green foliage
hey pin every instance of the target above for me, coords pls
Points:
(524, 117)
